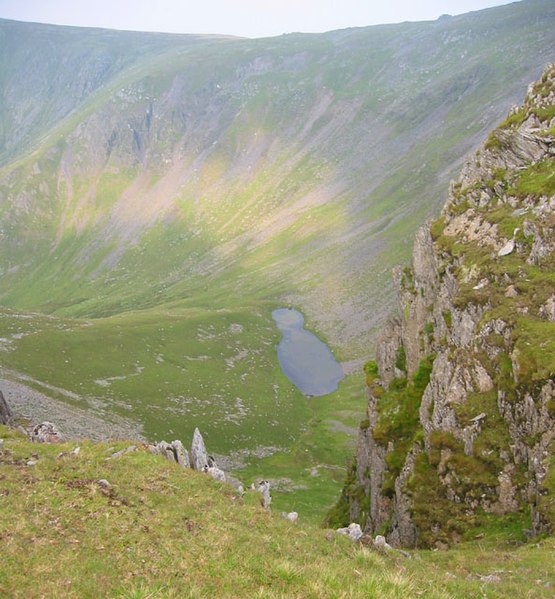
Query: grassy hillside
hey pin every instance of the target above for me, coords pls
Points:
(293, 169)
(160, 531)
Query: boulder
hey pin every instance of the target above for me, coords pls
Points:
(291, 516)
(45, 432)
(181, 455)
(199, 457)
(353, 531)
(381, 544)
(511, 292)
(507, 249)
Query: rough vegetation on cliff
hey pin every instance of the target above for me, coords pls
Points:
(461, 413)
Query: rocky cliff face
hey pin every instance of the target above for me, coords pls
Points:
(461, 411)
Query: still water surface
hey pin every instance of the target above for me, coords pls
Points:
(306, 360)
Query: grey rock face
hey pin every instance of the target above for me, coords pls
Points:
(386, 351)
(199, 457)
(181, 455)
(174, 452)
(371, 467)
(460, 304)
(403, 532)
(164, 449)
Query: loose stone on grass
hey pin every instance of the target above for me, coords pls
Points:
(121, 452)
(291, 516)
(353, 531)
(45, 432)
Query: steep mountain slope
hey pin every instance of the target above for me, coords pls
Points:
(136, 526)
(461, 416)
(47, 71)
(288, 168)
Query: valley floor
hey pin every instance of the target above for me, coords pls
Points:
(155, 375)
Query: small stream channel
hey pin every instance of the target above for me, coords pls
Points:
(305, 360)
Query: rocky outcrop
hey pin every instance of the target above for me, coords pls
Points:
(461, 411)
(5, 412)
(175, 452)
(45, 432)
(199, 457)
(199, 460)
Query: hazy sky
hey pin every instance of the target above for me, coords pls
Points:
(250, 18)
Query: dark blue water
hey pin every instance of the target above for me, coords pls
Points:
(306, 361)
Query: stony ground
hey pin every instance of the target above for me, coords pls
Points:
(32, 407)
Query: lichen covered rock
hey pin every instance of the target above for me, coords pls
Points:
(199, 457)
(45, 432)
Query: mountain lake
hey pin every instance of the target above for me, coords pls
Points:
(305, 360)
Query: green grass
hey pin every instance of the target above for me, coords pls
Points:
(399, 420)
(164, 532)
(537, 180)
(535, 350)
